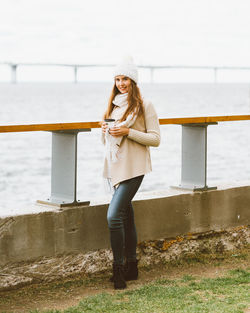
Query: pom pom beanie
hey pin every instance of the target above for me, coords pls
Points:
(127, 68)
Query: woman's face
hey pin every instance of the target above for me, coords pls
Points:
(122, 83)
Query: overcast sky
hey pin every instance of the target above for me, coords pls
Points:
(189, 32)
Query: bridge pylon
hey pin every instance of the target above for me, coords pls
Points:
(13, 73)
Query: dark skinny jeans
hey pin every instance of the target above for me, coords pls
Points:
(123, 236)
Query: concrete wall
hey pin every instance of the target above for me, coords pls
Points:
(82, 229)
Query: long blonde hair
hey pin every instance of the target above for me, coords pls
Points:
(135, 102)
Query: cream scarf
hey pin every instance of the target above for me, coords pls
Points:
(113, 143)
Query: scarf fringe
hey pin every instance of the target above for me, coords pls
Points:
(112, 144)
(108, 187)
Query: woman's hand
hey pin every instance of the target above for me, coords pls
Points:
(119, 131)
(104, 127)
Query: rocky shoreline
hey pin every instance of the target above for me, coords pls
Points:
(188, 246)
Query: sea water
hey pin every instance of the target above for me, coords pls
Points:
(25, 158)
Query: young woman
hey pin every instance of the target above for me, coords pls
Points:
(135, 128)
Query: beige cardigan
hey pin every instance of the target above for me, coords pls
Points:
(134, 155)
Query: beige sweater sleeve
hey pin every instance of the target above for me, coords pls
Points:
(152, 135)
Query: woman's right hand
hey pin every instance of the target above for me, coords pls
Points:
(104, 127)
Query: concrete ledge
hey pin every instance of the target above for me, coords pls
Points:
(81, 229)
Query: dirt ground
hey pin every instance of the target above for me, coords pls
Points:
(62, 294)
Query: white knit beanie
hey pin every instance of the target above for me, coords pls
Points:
(127, 68)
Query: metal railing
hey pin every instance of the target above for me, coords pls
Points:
(64, 153)
(151, 68)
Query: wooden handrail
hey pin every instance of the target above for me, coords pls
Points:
(88, 125)
(203, 119)
(49, 127)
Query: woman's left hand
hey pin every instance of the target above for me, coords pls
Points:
(119, 131)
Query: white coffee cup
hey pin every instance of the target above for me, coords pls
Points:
(110, 122)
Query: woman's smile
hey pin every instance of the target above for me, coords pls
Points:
(122, 83)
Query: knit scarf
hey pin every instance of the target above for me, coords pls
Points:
(113, 143)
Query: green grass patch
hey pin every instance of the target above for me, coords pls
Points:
(227, 294)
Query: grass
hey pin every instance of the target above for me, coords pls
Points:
(229, 294)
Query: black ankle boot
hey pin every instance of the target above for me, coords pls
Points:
(131, 270)
(118, 276)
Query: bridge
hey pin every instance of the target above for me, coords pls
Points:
(152, 68)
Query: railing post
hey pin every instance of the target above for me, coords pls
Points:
(194, 157)
(64, 169)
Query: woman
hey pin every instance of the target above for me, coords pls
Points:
(127, 160)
